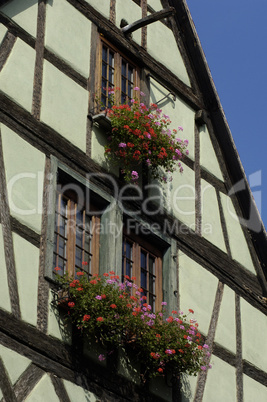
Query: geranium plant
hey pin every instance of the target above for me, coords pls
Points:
(141, 135)
(117, 314)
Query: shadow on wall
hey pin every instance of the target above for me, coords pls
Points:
(15, 7)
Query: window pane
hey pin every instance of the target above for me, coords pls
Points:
(104, 53)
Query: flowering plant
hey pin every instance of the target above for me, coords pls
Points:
(117, 314)
(140, 135)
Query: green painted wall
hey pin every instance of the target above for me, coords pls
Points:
(197, 290)
(69, 37)
(16, 77)
(24, 167)
(14, 362)
(27, 270)
(64, 106)
(4, 293)
(24, 13)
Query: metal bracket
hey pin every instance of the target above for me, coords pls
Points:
(159, 15)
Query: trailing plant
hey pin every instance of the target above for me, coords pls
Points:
(141, 135)
(117, 314)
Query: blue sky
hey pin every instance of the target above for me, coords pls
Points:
(233, 34)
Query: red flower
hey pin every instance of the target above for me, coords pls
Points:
(199, 347)
(105, 274)
(113, 306)
(128, 305)
(134, 313)
(57, 269)
(80, 273)
(133, 278)
(160, 370)
(170, 319)
(191, 311)
(174, 312)
(181, 351)
(157, 335)
(79, 289)
(103, 296)
(84, 263)
(71, 304)
(93, 282)
(86, 317)
(99, 319)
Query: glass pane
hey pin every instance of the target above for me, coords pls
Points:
(104, 70)
(143, 279)
(105, 53)
(151, 265)
(128, 250)
(111, 59)
(123, 68)
(128, 268)
(111, 78)
(143, 259)
(130, 73)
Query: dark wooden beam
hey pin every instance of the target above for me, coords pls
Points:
(149, 19)
(6, 48)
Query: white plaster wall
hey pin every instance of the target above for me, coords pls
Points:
(68, 34)
(3, 31)
(197, 290)
(15, 363)
(188, 387)
(226, 328)
(27, 270)
(208, 158)
(180, 114)
(64, 106)
(98, 142)
(131, 12)
(56, 324)
(43, 391)
(155, 4)
(77, 393)
(253, 390)
(24, 13)
(211, 222)
(181, 196)
(254, 330)
(16, 78)
(4, 293)
(238, 244)
(162, 46)
(102, 6)
(221, 382)
(24, 166)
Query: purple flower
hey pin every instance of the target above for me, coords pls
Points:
(180, 128)
(134, 175)
(157, 123)
(148, 162)
(110, 282)
(132, 100)
(205, 346)
(122, 145)
(210, 366)
(142, 94)
(98, 297)
(136, 89)
(148, 136)
(186, 142)
(160, 314)
(187, 152)
(204, 368)
(101, 358)
(182, 327)
(164, 303)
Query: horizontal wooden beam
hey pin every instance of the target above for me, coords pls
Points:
(159, 15)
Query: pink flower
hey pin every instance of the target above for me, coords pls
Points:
(122, 145)
(180, 128)
(134, 175)
(136, 89)
(101, 358)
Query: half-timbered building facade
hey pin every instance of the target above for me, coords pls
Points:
(201, 232)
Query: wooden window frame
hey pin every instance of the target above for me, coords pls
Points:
(139, 244)
(118, 58)
(70, 237)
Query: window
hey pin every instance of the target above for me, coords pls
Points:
(143, 261)
(76, 236)
(117, 71)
